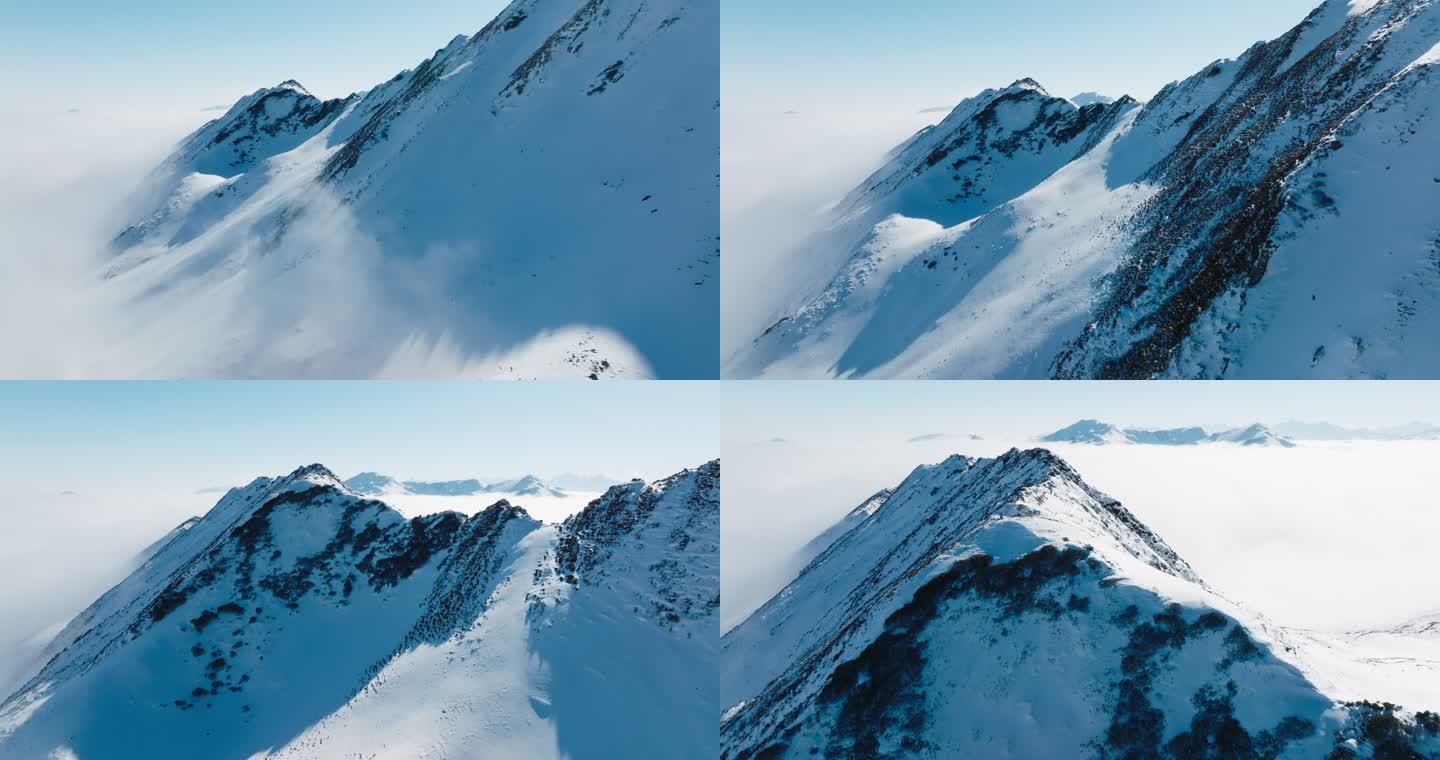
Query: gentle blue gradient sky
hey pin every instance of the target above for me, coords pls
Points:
(856, 54)
(75, 436)
(171, 54)
(882, 413)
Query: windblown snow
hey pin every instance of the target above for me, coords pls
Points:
(538, 199)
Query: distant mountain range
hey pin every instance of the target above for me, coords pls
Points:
(376, 484)
(1283, 434)
(1097, 432)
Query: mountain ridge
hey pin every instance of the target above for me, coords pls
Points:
(1097, 432)
(223, 619)
(428, 206)
(1057, 625)
(1180, 242)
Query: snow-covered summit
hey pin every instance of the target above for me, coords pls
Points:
(376, 484)
(1220, 230)
(1002, 607)
(209, 648)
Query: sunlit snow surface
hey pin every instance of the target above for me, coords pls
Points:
(299, 619)
(1004, 607)
(1271, 216)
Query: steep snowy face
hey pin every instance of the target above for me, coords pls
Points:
(1002, 608)
(298, 619)
(486, 207)
(596, 638)
(203, 651)
(1259, 257)
(1222, 230)
(928, 517)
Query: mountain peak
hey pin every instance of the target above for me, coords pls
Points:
(1086, 431)
(1091, 98)
(317, 474)
(293, 86)
(1026, 83)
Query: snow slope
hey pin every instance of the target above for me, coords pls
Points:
(1225, 229)
(298, 619)
(537, 199)
(1003, 608)
(1096, 432)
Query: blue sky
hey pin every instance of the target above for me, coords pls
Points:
(74, 435)
(883, 413)
(99, 54)
(839, 54)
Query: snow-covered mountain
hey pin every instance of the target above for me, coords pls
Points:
(1097, 432)
(375, 484)
(298, 619)
(1224, 229)
(1004, 608)
(1325, 431)
(537, 199)
(526, 485)
(1090, 99)
(1254, 435)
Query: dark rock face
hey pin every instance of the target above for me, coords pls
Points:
(882, 690)
(466, 575)
(670, 527)
(287, 601)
